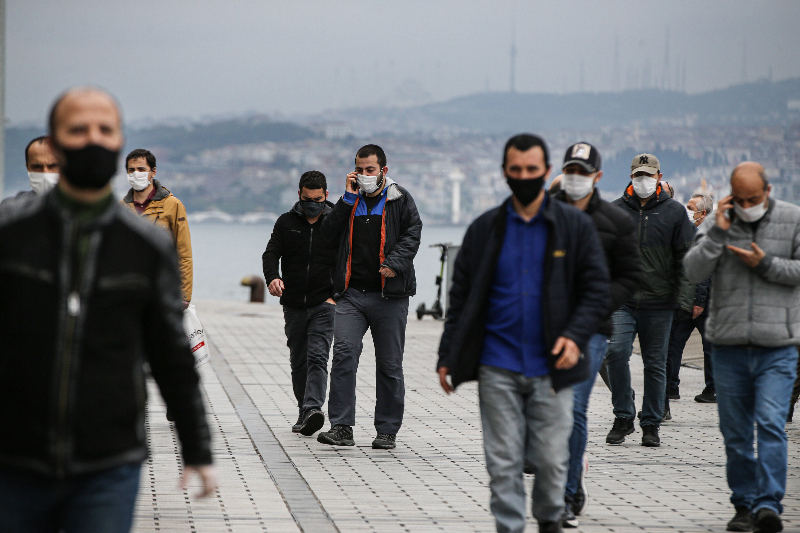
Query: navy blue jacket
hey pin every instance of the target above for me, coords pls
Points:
(576, 290)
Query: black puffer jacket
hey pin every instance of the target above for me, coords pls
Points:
(664, 235)
(618, 236)
(576, 290)
(71, 366)
(306, 258)
(401, 229)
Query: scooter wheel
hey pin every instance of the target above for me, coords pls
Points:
(421, 311)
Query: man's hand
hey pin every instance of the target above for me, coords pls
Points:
(448, 388)
(331, 301)
(208, 475)
(722, 208)
(387, 272)
(569, 353)
(276, 287)
(697, 311)
(351, 185)
(751, 259)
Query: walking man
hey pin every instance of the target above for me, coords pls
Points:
(752, 247)
(153, 202)
(305, 287)
(530, 288)
(582, 171)
(377, 228)
(88, 294)
(690, 317)
(663, 233)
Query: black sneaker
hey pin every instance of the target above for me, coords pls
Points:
(667, 415)
(621, 428)
(673, 394)
(568, 519)
(312, 422)
(650, 436)
(550, 527)
(297, 425)
(791, 414)
(581, 498)
(742, 521)
(709, 395)
(766, 521)
(338, 435)
(384, 441)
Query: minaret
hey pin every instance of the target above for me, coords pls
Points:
(456, 177)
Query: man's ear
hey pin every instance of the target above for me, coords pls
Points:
(385, 170)
(299, 194)
(154, 172)
(599, 175)
(326, 195)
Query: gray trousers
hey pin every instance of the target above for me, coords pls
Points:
(309, 333)
(386, 318)
(524, 418)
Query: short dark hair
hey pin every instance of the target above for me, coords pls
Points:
(141, 152)
(40, 140)
(372, 149)
(524, 142)
(313, 179)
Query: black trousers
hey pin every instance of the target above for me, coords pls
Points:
(681, 331)
(309, 333)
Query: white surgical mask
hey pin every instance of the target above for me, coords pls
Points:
(750, 214)
(369, 184)
(644, 186)
(41, 182)
(577, 186)
(690, 214)
(138, 180)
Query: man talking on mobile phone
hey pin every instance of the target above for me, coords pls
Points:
(377, 227)
(752, 247)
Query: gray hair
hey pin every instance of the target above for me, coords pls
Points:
(706, 203)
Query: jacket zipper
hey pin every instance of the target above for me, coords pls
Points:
(308, 266)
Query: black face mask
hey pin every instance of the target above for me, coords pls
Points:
(90, 167)
(526, 191)
(311, 208)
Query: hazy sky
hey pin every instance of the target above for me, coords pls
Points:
(180, 58)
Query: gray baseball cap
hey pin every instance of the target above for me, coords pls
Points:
(646, 163)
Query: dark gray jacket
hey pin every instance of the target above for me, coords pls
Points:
(751, 306)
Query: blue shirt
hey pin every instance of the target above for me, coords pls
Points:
(514, 337)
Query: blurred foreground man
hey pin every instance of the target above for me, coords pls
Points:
(582, 171)
(377, 229)
(153, 202)
(752, 248)
(530, 288)
(88, 294)
(305, 287)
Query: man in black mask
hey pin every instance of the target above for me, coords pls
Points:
(88, 293)
(530, 288)
(305, 287)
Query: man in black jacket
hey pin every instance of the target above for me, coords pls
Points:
(530, 288)
(305, 287)
(377, 227)
(664, 234)
(582, 171)
(88, 294)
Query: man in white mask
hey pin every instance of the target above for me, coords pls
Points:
(152, 201)
(663, 235)
(617, 232)
(42, 166)
(752, 248)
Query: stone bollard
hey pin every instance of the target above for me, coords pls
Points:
(256, 284)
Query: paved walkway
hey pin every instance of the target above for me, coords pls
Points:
(274, 480)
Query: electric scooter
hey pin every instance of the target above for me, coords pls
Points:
(436, 310)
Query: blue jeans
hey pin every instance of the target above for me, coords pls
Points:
(596, 352)
(754, 386)
(81, 504)
(524, 418)
(653, 327)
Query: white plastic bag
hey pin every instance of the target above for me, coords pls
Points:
(196, 336)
